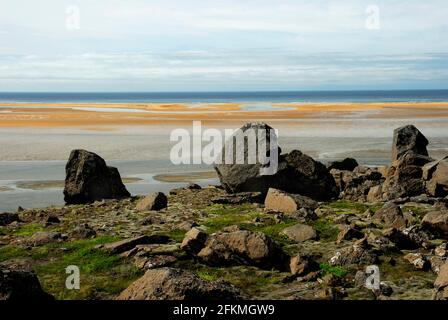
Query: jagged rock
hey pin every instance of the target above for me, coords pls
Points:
(441, 250)
(391, 216)
(441, 283)
(42, 237)
(375, 194)
(436, 263)
(300, 232)
(354, 255)
(239, 198)
(408, 138)
(297, 173)
(233, 246)
(20, 286)
(349, 233)
(436, 175)
(400, 239)
(89, 179)
(405, 176)
(381, 243)
(51, 220)
(153, 202)
(417, 260)
(176, 284)
(125, 245)
(8, 218)
(194, 186)
(348, 164)
(302, 265)
(280, 201)
(356, 185)
(436, 222)
(194, 241)
(83, 231)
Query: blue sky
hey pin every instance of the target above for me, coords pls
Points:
(227, 45)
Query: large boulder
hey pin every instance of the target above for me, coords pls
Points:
(296, 173)
(408, 138)
(436, 175)
(405, 176)
(436, 222)
(280, 201)
(18, 285)
(234, 246)
(176, 284)
(89, 179)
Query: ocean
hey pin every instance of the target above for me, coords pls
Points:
(198, 97)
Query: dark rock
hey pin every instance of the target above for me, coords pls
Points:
(233, 246)
(176, 284)
(349, 233)
(194, 186)
(408, 138)
(20, 286)
(348, 164)
(8, 218)
(154, 261)
(436, 175)
(125, 245)
(89, 179)
(297, 173)
(239, 198)
(194, 241)
(153, 202)
(52, 220)
(400, 239)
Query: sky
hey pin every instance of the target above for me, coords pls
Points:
(225, 45)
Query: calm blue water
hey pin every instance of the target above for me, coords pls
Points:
(197, 97)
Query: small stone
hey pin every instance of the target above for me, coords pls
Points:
(417, 260)
(300, 232)
(83, 231)
(194, 241)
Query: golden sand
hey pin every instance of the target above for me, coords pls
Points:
(62, 115)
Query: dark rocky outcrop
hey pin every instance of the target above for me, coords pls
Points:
(89, 179)
(297, 173)
(348, 164)
(436, 176)
(176, 284)
(408, 138)
(8, 218)
(18, 285)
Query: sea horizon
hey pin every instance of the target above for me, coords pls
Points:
(298, 96)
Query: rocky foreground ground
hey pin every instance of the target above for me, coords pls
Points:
(308, 232)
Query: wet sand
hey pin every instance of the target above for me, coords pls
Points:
(58, 184)
(102, 117)
(185, 177)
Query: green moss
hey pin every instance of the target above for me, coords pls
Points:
(345, 206)
(221, 216)
(10, 252)
(337, 271)
(325, 229)
(176, 234)
(25, 230)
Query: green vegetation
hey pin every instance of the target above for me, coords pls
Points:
(336, 270)
(25, 230)
(221, 216)
(325, 229)
(102, 275)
